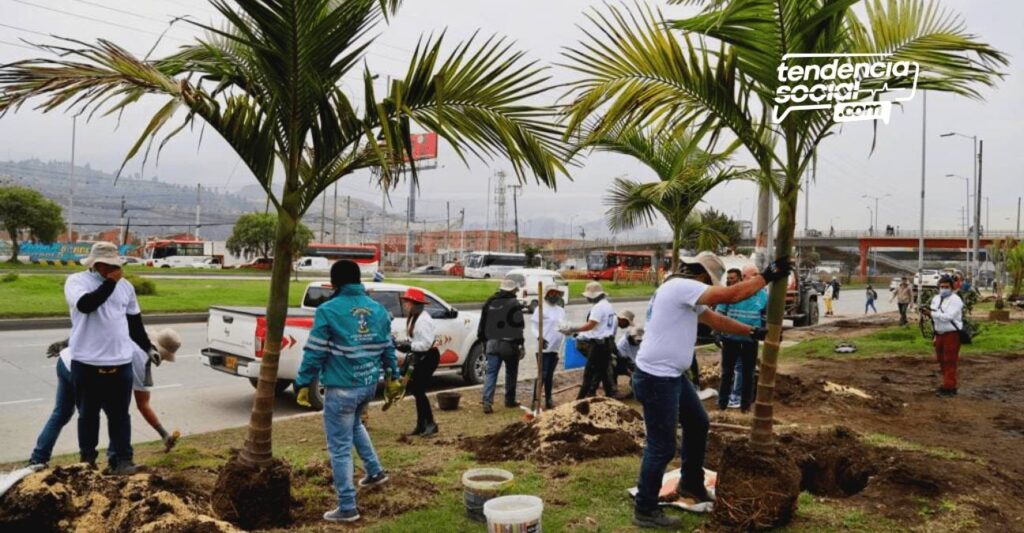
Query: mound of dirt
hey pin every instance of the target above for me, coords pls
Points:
(79, 498)
(584, 429)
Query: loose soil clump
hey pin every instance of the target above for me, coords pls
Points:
(756, 489)
(585, 429)
(80, 498)
(253, 497)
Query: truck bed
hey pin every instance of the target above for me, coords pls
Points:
(293, 312)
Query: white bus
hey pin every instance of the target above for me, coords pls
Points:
(487, 265)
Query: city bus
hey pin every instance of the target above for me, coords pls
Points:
(487, 265)
(367, 256)
(604, 264)
(167, 253)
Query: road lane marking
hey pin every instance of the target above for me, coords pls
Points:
(14, 402)
(171, 386)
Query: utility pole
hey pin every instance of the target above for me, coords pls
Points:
(383, 225)
(499, 200)
(71, 178)
(348, 218)
(1018, 217)
(920, 234)
(807, 193)
(199, 196)
(323, 213)
(362, 228)
(977, 211)
(516, 189)
(988, 215)
(124, 211)
(447, 228)
(462, 227)
(487, 223)
(334, 218)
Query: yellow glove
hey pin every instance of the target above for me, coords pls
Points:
(302, 398)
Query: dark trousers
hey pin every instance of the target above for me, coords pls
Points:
(426, 364)
(598, 371)
(63, 409)
(494, 363)
(549, 362)
(107, 389)
(666, 403)
(731, 352)
(903, 313)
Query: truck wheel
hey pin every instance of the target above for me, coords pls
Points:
(475, 368)
(279, 387)
(316, 395)
(812, 312)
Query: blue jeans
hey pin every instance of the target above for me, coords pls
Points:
(63, 410)
(668, 402)
(107, 389)
(343, 409)
(491, 380)
(870, 303)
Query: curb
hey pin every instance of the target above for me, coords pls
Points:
(14, 324)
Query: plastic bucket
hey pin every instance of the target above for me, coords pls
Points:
(480, 485)
(448, 401)
(573, 357)
(514, 514)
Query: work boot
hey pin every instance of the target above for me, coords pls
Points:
(429, 429)
(488, 409)
(170, 441)
(656, 519)
(122, 468)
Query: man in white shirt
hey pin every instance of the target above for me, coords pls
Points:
(106, 327)
(554, 314)
(596, 338)
(947, 313)
(668, 398)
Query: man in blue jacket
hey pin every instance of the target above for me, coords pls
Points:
(350, 340)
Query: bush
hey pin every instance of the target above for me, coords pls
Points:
(9, 277)
(143, 286)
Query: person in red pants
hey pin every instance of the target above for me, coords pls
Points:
(946, 312)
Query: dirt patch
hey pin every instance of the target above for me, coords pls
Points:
(253, 497)
(1010, 423)
(577, 431)
(77, 497)
(832, 463)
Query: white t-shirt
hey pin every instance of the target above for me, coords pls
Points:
(604, 314)
(947, 313)
(101, 337)
(423, 335)
(671, 328)
(553, 315)
(627, 349)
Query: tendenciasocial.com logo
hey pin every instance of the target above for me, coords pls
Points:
(845, 83)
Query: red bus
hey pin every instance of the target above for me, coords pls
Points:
(603, 265)
(367, 256)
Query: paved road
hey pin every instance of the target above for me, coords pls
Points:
(187, 396)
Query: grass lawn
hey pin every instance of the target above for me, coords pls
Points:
(995, 338)
(41, 296)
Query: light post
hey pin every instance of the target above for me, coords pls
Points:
(967, 200)
(872, 254)
(874, 224)
(976, 160)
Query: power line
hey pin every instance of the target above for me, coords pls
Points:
(94, 19)
(25, 46)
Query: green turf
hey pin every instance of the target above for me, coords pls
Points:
(42, 296)
(994, 338)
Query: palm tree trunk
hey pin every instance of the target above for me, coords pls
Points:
(761, 433)
(677, 239)
(258, 448)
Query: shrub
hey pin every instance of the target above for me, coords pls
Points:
(9, 277)
(143, 286)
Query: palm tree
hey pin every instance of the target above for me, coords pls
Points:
(636, 71)
(686, 173)
(269, 83)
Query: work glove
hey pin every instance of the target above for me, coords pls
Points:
(404, 346)
(154, 356)
(54, 349)
(566, 329)
(544, 345)
(778, 269)
(302, 398)
(759, 334)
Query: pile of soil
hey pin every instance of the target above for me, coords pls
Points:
(79, 498)
(584, 429)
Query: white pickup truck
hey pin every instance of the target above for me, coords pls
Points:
(235, 336)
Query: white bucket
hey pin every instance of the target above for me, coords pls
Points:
(514, 514)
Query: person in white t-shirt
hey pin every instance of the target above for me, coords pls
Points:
(106, 329)
(554, 315)
(668, 398)
(596, 338)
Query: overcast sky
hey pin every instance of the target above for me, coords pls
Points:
(846, 171)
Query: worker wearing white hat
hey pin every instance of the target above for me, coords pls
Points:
(596, 339)
(668, 399)
(554, 315)
(501, 331)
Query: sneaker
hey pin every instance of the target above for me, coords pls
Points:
(122, 468)
(734, 404)
(171, 441)
(488, 409)
(373, 481)
(337, 515)
(945, 392)
(656, 519)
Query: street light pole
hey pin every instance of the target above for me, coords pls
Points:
(976, 164)
(920, 233)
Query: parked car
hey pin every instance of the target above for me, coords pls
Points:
(210, 263)
(313, 264)
(455, 269)
(428, 270)
(527, 278)
(235, 336)
(128, 260)
(930, 277)
(260, 263)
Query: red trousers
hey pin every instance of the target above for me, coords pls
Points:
(947, 353)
